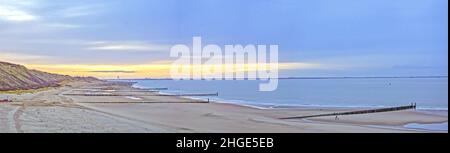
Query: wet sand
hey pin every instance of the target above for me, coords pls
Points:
(55, 110)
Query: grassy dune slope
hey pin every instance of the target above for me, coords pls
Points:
(18, 77)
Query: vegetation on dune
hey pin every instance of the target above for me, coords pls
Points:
(15, 77)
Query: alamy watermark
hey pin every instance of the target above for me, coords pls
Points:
(232, 62)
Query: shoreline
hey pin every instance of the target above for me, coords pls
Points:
(291, 103)
(264, 106)
(393, 127)
(334, 108)
(69, 113)
(288, 106)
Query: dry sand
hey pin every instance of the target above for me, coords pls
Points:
(54, 111)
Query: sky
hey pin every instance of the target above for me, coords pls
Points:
(132, 38)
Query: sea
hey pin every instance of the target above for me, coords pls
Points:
(427, 93)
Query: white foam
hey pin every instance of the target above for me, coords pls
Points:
(134, 98)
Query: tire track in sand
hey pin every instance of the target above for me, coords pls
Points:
(14, 117)
(8, 121)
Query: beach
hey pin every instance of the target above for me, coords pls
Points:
(106, 107)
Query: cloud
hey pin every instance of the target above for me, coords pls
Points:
(10, 13)
(21, 2)
(63, 25)
(302, 66)
(66, 42)
(127, 46)
(79, 11)
(27, 17)
(21, 58)
(113, 71)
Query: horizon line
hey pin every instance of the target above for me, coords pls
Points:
(286, 78)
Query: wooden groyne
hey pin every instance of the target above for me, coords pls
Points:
(95, 90)
(99, 95)
(379, 110)
(137, 91)
(193, 94)
(154, 88)
(150, 102)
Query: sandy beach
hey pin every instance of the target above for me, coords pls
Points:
(65, 109)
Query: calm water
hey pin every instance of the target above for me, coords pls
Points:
(429, 93)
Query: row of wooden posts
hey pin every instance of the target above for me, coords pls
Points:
(378, 110)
